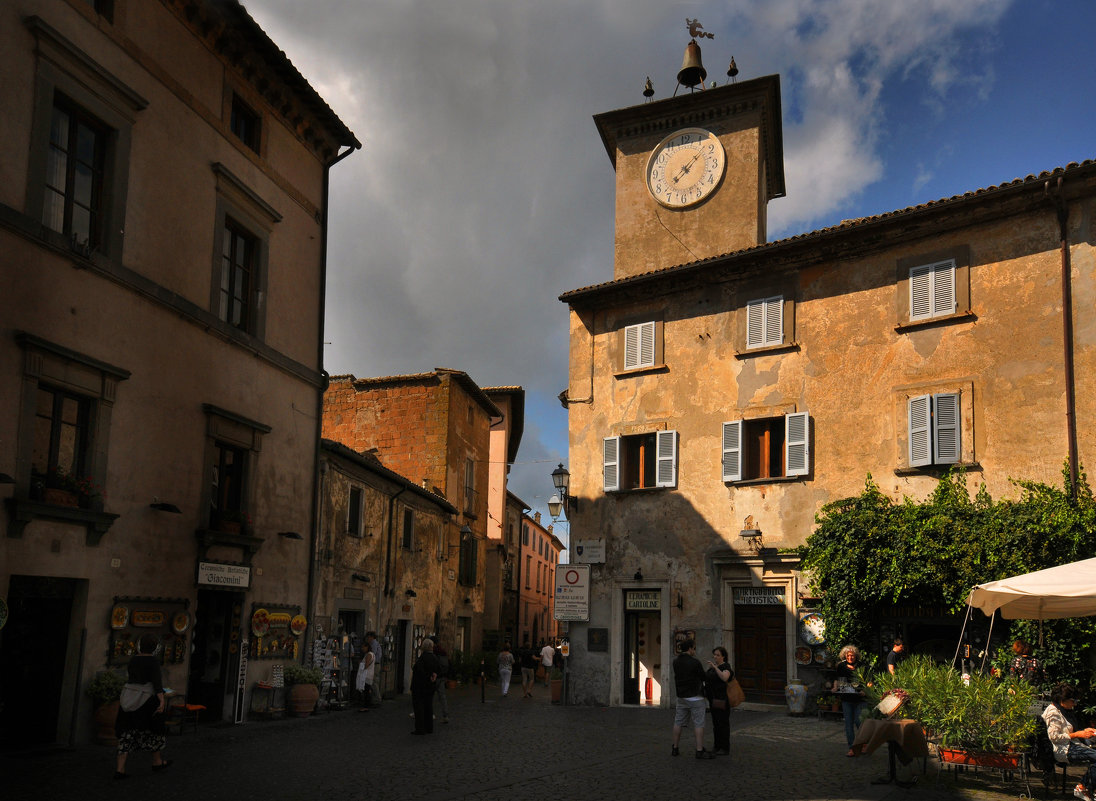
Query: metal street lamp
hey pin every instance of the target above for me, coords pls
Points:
(561, 501)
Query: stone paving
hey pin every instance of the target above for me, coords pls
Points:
(501, 750)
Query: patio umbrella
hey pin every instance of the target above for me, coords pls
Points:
(1064, 591)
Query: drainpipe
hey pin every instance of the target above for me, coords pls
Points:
(388, 547)
(1062, 211)
(310, 600)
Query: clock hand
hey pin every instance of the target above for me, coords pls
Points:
(685, 168)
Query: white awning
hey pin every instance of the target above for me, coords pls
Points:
(1063, 591)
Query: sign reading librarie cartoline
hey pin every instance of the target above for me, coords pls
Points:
(572, 592)
(216, 574)
(590, 552)
(759, 596)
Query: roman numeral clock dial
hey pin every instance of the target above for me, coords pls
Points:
(685, 168)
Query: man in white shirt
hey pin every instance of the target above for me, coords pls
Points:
(547, 656)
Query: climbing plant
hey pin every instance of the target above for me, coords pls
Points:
(870, 551)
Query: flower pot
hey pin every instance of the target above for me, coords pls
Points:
(105, 717)
(557, 690)
(60, 497)
(985, 759)
(835, 707)
(229, 527)
(302, 699)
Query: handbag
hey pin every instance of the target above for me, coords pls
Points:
(134, 696)
(735, 695)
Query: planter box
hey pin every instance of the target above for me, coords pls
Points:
(60, 497)
(982, 759)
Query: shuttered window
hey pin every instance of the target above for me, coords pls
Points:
(640, 461)
(934, 429)
(765, 322)
(771, 447)
(639, 346)
(932, 290)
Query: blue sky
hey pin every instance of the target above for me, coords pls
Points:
(483, 191)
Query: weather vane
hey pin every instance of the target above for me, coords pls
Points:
(697, 30)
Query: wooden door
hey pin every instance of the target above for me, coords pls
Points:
(760, 652)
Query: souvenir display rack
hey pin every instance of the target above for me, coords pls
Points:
(276, 631)
(169, 619)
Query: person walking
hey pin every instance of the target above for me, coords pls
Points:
(363, 681)
(424, 683)
(547, 657)
(378, 658)
(716, 677)
(528, 671)
(847, 687)
(506, 668)
(689, 683)
(443, 675)
(143, 728)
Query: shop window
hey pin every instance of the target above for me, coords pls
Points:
(640, 461)
(765, 448)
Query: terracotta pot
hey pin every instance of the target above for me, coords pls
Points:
(302, 699)
(985, 759)
(60, 497)
(835, 707)
(105, 717)
(557, 690)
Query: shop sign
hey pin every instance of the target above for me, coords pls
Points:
(759, 596)
(590, 552)
(572, 592)
(643, 599)
(216, 574)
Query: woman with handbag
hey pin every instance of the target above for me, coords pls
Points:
(142, 727)
(716, 678)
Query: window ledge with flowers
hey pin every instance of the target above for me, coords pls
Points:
(63, 497)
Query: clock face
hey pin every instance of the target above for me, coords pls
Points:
(685, 168)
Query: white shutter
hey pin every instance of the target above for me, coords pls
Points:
(943, 289)
(610, 464)
(732, 451)
(945, 428)
(666, 455)
(647, 345)
(919, 410)
(765, 322)
(639, 346)
(797, 444)
(921, 292)
(774, 321)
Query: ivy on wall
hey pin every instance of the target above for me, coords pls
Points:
(869, 552)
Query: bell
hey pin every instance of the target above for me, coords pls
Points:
(692, 72)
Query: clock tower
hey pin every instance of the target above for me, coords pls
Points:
(694, 174)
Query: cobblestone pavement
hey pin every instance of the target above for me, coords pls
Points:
(504, 749)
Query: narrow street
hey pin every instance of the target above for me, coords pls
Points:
(503, 749)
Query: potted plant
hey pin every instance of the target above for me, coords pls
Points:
(62, 488)
(304, 688)
(827, 702)
(104, 690)
(555, 681)
(976, 720)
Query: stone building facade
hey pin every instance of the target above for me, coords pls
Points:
(434, 429)
(382, 548)
(506, 434)
(162, 229)
(539, 558)
(723, 388)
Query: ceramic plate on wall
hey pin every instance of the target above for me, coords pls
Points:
(803, 655)
(119, 617)
(812, 629)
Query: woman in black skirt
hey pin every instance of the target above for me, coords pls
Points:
(143, 729)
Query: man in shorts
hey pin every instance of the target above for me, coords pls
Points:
(689, 682)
